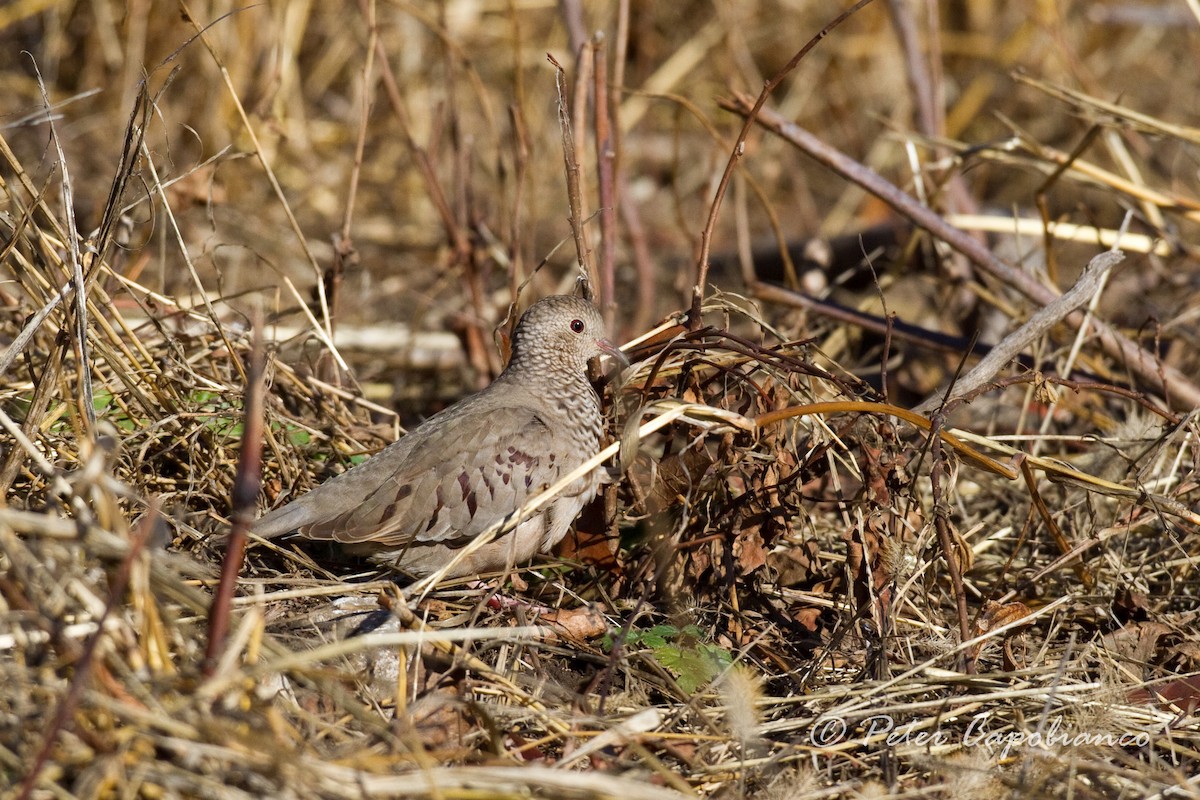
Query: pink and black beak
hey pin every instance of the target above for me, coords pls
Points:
(610, 349)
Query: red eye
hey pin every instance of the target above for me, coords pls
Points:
(577, 325)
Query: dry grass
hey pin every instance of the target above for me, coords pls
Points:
(797, 589)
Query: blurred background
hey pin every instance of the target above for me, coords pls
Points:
(971, 106)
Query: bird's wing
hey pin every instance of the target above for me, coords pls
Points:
(453, 482)
(336, 496)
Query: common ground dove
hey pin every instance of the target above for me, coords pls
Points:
(419, 501)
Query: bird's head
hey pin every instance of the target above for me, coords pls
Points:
(561, 332)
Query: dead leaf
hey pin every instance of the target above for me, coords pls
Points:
(995, 615)
(1136, 642)
(1183, 693)
(576, 624)
(749, 550)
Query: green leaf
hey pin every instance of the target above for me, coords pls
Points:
(693, 662)
(693, 667)
(106, 408)
(203, 396)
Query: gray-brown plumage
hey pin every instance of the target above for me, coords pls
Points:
(419, 501)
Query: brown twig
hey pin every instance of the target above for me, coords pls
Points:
(521, 172)
(739, 147)
(246, 486)
(1034, 328)
(923, 68)
(941, 513)
(643, 261)
(925, 89)
(1042, 200)
(892, 327)
(1060, 540)
(571, 12)
(606, 183)
(454, 232)
(571, 165)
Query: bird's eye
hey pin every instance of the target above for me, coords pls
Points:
(577, 325)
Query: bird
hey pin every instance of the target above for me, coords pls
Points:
(418, 502)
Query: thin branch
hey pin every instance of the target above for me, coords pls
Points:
(739, 148)
(606, 181)
(244, 501)
(571, 165)
(87, 402)
(1034, 328)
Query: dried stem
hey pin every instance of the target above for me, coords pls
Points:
(739, 147)
(607, 184)
(571, 165)
(244, 501)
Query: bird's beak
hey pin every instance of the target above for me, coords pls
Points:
(610, 349)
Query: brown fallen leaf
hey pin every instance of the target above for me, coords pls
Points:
(576, 624)
(995, 615)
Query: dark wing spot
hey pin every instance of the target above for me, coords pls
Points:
(471, 504)
(437, 509)
(515, 456)
(464, 483)
(402, 493)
